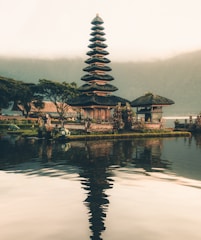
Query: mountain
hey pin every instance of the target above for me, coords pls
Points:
(31, 70)
(177, 78)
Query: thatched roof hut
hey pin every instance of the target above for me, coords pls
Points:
(150, 99)
(150, 105)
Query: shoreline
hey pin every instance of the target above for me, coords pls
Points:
(127, 135)
(104, 136)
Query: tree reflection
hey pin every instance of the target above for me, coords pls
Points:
(148, 155)
(197, 138)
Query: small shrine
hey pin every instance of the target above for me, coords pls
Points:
(149, 109)
(193, 125)
(96, 100)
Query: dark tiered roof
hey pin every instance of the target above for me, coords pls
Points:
(97, 91)
(94, 67)
(97, 27)
(97, 32)
(97, 87)
(97, 51)
(99, 60)
(151, 99)
(97, 45)
(97, 67)
(90, 77)
(91, 100)
(97, 38)
(97, 20)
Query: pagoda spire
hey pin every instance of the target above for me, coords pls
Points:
(96, 100)
(97, 76)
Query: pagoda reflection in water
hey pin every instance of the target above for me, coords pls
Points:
(91, 162)
(96, 159)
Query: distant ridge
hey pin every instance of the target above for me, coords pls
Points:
(31, 70)
(177, 78)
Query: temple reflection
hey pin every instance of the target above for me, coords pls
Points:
(90, 161)
(148, 155)
(95, 160)
(96, 179)
(96, 182)
(198, 140)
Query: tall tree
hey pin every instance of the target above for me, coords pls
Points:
(59, 94)
(7, 91)
(26, 96)
(23, 94)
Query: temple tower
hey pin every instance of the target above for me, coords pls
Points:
(97, 78)
(96, 99)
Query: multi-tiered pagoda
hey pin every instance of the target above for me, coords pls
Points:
(96, 100)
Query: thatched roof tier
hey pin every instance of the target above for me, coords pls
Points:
(97, 27)
(92, 68)
(97, 44)
(97, 38)
(97, 59)
(97, 32)
(97, 20)
(96, 92)
(96, 51)
(97, 87)
(150, 99)
(91, 100)
(90, 77)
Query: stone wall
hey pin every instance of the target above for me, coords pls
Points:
(90, 127)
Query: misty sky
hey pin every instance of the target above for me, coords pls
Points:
(135, 29)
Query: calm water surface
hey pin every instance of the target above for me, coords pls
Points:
(145, 189)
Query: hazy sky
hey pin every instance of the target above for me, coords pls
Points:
(135, 29)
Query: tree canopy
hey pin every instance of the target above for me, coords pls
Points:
(58, 93)
(7, 91)
(27, 94)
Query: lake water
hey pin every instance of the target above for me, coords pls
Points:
(145, 189)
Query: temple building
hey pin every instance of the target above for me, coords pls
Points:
(150, 109)
(96, 100)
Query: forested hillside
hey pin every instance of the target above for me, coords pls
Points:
(177, 78)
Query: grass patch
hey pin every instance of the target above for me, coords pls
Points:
(128, 135)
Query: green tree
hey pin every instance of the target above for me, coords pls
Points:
(117, 117)
(26, 96)
(22, 94)
(59, 94)
(127, 115)
(7, 91)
